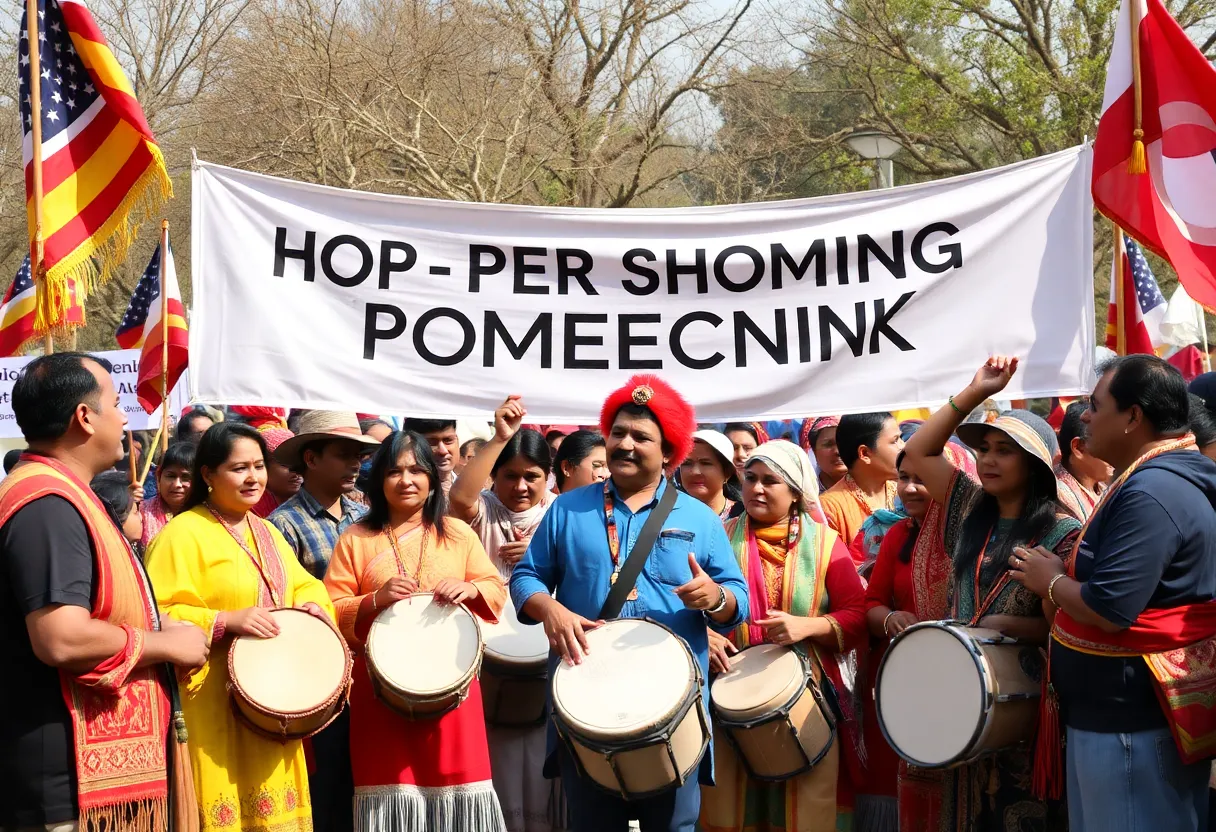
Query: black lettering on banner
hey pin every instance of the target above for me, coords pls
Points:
(388, 265)
(882, 324)
(954, 260)
(817, 252)
(777, 347)
(804, 334)
(478, 270)
(676, 268)
(724, 279)
(626, 341)
(523, 268)
(829, 320)
(541, 328)
(894, 262)
(372, 331)
(327, 257)
(629, 261)
(573, 341)
(567, 270)
(307, 254)
(466, 345)
(842, 261)
(677, 347)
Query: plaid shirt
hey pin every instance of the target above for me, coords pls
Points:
(311, 530)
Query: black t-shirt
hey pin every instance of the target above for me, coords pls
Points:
(46, 558)
(1151, 546)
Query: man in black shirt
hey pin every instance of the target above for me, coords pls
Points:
(1141, 584)
(51, 546)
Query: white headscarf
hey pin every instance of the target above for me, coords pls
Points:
(794, 466)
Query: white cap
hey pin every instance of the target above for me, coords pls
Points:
(719, 443)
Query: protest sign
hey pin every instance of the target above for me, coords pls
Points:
(309, 296)
(126, 371)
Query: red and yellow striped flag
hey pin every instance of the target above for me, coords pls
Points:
(103, 173)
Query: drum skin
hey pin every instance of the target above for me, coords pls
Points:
(767, 706)
(515, 671)
(631, 713)
(947, 694)
(422, 657)
(293, 685)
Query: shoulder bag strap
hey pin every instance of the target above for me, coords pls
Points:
(619, 592)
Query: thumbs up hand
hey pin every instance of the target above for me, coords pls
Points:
(701, 593)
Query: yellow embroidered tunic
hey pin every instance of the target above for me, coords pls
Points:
(243, 780)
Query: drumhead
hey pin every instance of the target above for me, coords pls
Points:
(636, 676)
(423, 648)
(761, 680)
(930, 694)
(511, 642)
(296, 671)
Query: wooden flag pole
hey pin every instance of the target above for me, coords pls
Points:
(164, 336)
(1203, 327)
(37, 272)
(1120, 329)
(131, 456)
(143, 475)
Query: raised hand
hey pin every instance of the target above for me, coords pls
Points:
(509, 417)
(994, 375)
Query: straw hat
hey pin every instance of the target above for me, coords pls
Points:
(1028, 431)
(321, 424)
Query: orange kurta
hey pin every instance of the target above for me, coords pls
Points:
(847, 508)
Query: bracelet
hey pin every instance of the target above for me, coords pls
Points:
(1051, 586)
(374, 607)
(956, 407)
(721, 602)
(887, 621)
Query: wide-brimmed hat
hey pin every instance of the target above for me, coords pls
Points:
(722, 445)
(321, 424)
(1029, 432)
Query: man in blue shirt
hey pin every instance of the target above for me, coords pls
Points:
(691, 579)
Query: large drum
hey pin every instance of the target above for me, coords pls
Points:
(632, 711)
(770, 709)
(515, 674)
(947, 694)
(422, 656)
(293, 685)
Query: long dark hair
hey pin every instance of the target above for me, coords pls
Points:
(391, 449)
(529, 444)
(214, 448)
(574, 449)
(1037, 517)
(113, 489)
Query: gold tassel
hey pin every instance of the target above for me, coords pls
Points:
(1138, 163)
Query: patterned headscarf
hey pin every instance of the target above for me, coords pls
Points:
(793, 465)
(275, 437)
(812, 427)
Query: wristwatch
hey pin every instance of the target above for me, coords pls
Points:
(721, 605)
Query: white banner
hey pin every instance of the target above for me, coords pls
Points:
(126, 371)
(308, 296)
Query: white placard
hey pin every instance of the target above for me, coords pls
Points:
(126, 371)
(308, 296)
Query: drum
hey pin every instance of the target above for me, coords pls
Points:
(771, 710)
(515, 673)
(422, 656)
(632, 712)
(293, 685)
(947, 693)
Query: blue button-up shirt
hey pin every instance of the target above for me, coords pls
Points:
(569, 554)
(311, 530)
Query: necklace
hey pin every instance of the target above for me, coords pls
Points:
(257, 557)
(391, 534)
(889, 493)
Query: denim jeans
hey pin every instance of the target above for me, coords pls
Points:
(594, 810)
(1134, 783)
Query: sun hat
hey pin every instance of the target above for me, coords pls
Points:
(321, 424)
(1029, 432)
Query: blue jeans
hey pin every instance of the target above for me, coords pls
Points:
(1134, 783)
(594, 810)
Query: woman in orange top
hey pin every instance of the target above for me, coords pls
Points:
(426, 775)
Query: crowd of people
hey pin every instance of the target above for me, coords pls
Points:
(1092, 544)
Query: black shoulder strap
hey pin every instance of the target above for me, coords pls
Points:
(619, 592)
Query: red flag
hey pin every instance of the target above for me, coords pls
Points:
(1169, 209)
(155, 333)
(1143, 304)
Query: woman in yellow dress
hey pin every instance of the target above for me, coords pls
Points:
(223, 568)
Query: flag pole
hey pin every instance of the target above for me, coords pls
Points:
(1120, 329)
(1138, 162)
(148, 459)
(164, 337)
(37, 273)
(1203, 320)
(131, 456)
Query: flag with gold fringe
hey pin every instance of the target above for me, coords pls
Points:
(102, 170)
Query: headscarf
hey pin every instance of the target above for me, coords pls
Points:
(812, 427)
(275, 437)
(793, 465)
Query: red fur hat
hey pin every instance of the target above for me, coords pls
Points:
(677, 420)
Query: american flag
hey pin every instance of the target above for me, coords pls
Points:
(1141, 319)
(101, 166)
(17, 312)
(142, 327)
